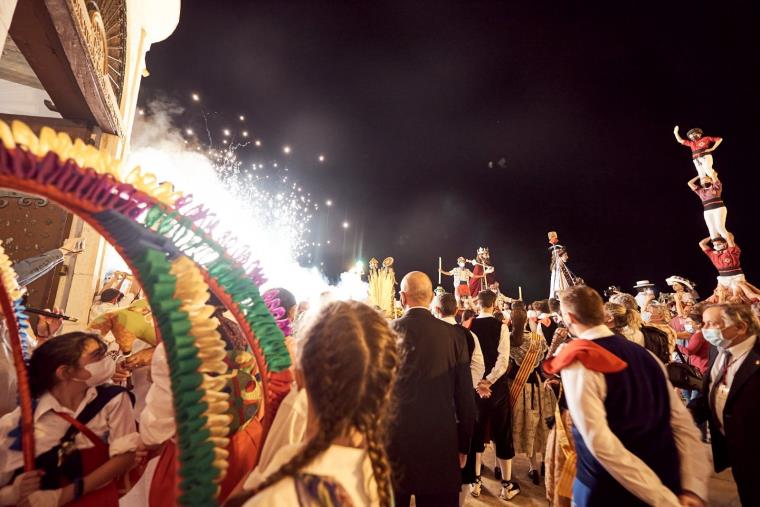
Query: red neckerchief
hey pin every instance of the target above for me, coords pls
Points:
(594, 357)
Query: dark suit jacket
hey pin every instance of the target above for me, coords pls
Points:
(434, 410)
(739, 448)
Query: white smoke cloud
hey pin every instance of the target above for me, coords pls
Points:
(271, 222)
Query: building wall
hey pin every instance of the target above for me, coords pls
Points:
(6, 14)
(148, 22)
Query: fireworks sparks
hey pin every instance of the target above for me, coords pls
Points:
(258, 202)
(268, 216)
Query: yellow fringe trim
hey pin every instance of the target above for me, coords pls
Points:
(192, 293)
(8, 275)
(19, 135)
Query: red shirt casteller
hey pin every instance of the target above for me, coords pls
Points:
(699, 146)
(725, 260)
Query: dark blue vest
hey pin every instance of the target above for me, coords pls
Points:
(638, 413)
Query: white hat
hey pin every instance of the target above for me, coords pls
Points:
(679, 279)
(643, 283)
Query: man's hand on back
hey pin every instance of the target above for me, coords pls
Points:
(689, 499)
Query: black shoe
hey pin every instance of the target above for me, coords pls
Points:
(497, 472)
(533, 476)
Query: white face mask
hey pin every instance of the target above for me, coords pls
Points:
(715, 337)
(646, 316)
(461, 264)
(100, 372)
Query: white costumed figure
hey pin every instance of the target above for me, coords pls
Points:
(561, 276)
(462, 276)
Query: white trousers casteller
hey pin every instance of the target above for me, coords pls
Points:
(704, 165)
(715, 219)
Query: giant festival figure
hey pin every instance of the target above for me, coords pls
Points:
(482, 272)
(562, 278)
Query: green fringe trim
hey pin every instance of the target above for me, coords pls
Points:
(230, 276)
(196, 452)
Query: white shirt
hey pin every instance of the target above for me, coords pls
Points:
(288, 428)
(641, 299)
(157, 423)
(738, 355)
(502, 360)
(585, 392)
(461, 275)
(348, 466)
(477, 365)
(116, 420)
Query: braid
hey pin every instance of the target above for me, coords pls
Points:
(372, 418)
(377, 455)
(311, 450)
(349, 360)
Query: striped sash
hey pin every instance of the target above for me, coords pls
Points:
(526, 368)
(564, 484)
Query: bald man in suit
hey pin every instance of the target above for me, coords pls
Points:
(435, 407)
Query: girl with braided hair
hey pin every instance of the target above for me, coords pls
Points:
(348, 360)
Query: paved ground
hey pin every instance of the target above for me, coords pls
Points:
(722, 487)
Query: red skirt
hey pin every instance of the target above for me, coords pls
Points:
(244, 449)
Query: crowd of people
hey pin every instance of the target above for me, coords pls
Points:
(382, 411)
(635, 400)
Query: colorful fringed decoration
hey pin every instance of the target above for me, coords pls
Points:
(144, 221)
(192, 293)
(17, 323)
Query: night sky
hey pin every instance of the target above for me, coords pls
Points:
(409, 101)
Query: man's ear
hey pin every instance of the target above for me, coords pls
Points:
(63, 372)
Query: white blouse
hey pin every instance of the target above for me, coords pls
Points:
(348, 466)
(115, 422)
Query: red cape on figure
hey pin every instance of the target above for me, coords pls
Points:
(476, 283)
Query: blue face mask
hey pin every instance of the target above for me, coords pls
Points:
(715, 337)
(688, 328)
(646, 316)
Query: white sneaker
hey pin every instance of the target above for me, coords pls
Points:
(476, 486)
(509, 490)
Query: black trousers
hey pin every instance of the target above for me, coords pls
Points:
(495, 419)
(437, 500)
